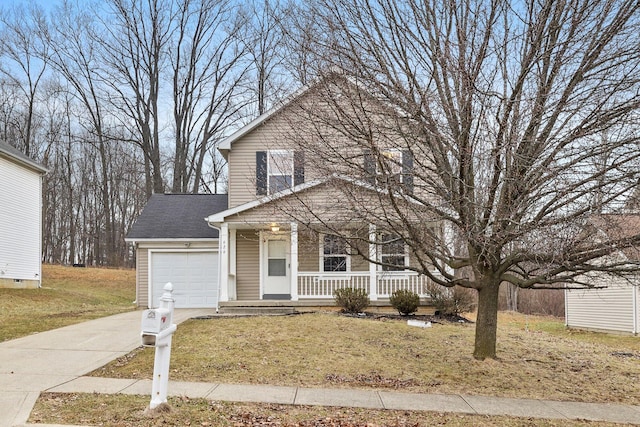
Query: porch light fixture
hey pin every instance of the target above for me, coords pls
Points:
(275, 227)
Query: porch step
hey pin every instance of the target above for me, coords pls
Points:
(263, 311)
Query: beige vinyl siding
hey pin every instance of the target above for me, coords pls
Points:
(602, 309)
(242, 164)
(358, 263)
(308, 252)
(242, 158)
(308, 125)
(142, 277)
(247, 265)
(321, 198)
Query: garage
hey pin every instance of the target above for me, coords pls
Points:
(194, 275)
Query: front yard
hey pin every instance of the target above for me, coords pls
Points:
(538, 358)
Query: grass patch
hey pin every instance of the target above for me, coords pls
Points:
(68, 295)
(538, 358)
(120, 410)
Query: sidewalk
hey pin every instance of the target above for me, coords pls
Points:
(372, 399)
(58, 360)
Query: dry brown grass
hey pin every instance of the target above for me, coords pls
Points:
(538, 358)
(127, 411)
(68, 295)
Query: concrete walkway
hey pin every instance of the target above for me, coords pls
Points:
(58, 360)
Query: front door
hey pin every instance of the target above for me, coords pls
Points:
(276, 268)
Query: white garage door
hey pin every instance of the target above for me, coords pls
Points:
(194, 276)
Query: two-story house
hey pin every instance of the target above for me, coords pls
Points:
(289, 234)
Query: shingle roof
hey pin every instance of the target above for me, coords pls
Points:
(20, 157)
(177, 216)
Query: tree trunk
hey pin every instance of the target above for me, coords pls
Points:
(487, 321)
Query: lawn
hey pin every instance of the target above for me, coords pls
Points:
(128, 411)
(68, 295)
(538, 358)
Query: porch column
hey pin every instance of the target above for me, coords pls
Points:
(373, 268)
(294, 261)
(223, 250)
(231, 285)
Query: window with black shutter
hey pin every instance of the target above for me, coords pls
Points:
(398, 168)
(277, 170)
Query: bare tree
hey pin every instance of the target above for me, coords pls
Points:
(498, 109)
(265, 41)
(74, 53)
(22, 64)
(207, 72)
(133, 41)
(301, 31)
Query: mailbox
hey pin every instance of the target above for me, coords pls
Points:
(157, 331)
(156, 320)
(160, 339)
(156, 326)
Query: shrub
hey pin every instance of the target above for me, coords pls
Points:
(451, 301)
(405, 301)
(351, 300)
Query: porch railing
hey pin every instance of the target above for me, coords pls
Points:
(323, 285)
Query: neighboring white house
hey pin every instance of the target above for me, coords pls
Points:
(615, 308)
(20, 219)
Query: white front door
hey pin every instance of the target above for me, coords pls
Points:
(276, 268)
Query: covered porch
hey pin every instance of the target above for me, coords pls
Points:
(282, 263)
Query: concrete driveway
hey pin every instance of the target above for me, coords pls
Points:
(41, 361)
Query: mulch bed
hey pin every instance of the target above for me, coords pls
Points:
(433, 318)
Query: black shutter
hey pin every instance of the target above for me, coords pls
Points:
(370, 167)
(261, 173)
(298, 167)
(407, 171)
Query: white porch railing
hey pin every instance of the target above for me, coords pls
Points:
(323, 285)
(391, 281)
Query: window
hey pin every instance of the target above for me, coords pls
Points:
(393, 163)
(392, 253)
(277, 170)
(397, 170)
(277, 258)
(335, 256)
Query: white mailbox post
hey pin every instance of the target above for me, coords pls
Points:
(157, 331)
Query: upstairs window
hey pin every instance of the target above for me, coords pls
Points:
(397, 169)
(393, 254)
(334, 253)
(393, 163)
(277, 170)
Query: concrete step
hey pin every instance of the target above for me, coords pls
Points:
(253, 310)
